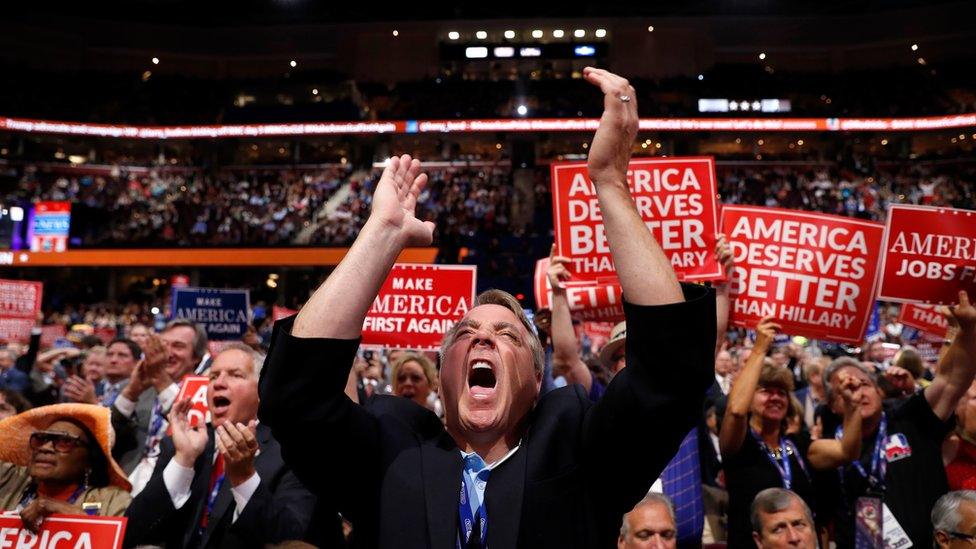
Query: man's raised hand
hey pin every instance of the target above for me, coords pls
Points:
(395, 201)
(557, 271)
(609, 154)
(188, 441)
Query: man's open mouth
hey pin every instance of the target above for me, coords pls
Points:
(221, 403)
(481, 375)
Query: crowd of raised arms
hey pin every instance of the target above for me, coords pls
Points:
(676, 431)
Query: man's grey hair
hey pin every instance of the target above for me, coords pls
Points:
(507, 300)
(945, 513)
(199, 335)
(775, 500)
(257, 359)
(839, 364)
(650, 498)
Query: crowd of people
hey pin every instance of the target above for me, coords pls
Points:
(677, 432)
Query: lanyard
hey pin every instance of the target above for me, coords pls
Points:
(879, 461)
(467, 518)
(155, 427)
(785, 469)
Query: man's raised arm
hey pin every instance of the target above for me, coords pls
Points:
(646, 275)
(338, 307)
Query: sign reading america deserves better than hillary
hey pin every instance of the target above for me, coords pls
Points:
(815, 273)
(418, 304)
(675, 197)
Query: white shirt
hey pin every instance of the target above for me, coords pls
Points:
(178, 480)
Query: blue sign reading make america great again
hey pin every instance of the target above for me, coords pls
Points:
(223, 314)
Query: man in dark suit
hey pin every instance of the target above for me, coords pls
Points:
(225, 485)
(508, 469)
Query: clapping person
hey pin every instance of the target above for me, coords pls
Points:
(224, 484)
(757, 452)
(57, 459)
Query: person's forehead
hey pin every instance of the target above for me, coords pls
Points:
(411, 366)
(851, 370)
(179, 333)
(119, 347)
(231, 359)
(967, 517)
(66, 427)
(793, 512)
(652, 513)
(491, 313)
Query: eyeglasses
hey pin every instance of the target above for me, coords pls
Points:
(62, 442)
(968, 538)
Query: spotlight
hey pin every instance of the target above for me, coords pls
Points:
(293, 63)
(600, 33)
(914, 47)
(509, 34)
(579, 33)
(481, 35)
(701, 77)
(155, 60)
(454, 35)
(522, 110)
(537, 33)
(650, 28)
(762, 56)
(558, 33)
(396, 32)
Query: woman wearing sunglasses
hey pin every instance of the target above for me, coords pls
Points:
(57, 460)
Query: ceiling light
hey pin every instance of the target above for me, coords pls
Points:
(537, 33)
(558, 33)
(600, 33)
(579, 33)
(481, 35)
(454, 35)
(509, 34)
(293, 63)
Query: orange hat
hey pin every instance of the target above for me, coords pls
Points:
(15, 434)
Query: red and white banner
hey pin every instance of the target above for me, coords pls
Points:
(594, 300)
(418, 304)
(816, 273)
(278, 312)
(929, 255)
(63, 531)
(195, 389)
(51, 333)
(599, 333)
(926, 318)
(20, 301)
(676, 198)
(483, 125)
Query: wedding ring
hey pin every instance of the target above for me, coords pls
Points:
(625, 98)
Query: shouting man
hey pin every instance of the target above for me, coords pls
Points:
(508, 469)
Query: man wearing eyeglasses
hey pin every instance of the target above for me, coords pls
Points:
(954, 520)
(508, 468)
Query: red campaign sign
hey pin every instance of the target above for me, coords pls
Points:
(598, 332)
(195, 389)
(20, 298)
(676, 198)
(418, 304)
(588, 299)
(926, 318)
(277, 313)
(51, 333)
(63, 532)
(929, 255)
(816, 273)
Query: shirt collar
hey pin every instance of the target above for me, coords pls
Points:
(500, 461)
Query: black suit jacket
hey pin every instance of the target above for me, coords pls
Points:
(280, 509)
(580, 467)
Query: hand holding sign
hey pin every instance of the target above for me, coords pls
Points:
(723, 254)
(962, 314)
(557, 271)
(395, 201)
(189, 441)
(765, 334)
(42, 507)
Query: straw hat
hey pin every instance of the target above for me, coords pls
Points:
(15, 434)
(618, 336)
